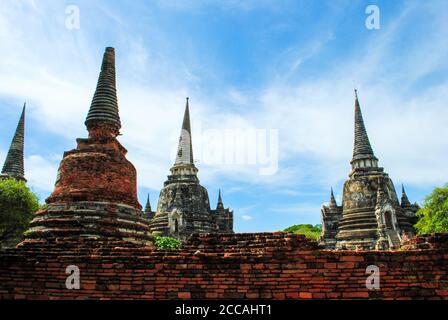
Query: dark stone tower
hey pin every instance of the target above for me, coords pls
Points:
(223, 216)
(184, 206)
(330, 216)
(148, 213)
(14, 163)
(95, 195)
(371, 216)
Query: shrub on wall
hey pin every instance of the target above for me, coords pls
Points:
(17, 206)
(167, 243)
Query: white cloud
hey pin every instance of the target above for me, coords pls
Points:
(246, 218)
(314, 117)
(41, 172)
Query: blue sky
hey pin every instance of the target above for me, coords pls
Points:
(287, 66)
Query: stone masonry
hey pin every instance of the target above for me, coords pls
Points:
(184, 206)
(370, 217)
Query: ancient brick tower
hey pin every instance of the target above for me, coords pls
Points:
(95, 195)
(370, 217)
(184, 206)
(14, 163)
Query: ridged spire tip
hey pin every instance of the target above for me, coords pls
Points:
(104, 107)
(362, 148)
(14, 163)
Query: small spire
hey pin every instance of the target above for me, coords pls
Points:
(104, 107)
(220, 204)
(404, 197)
(333, 202)
(219, 197)
(148, 206)
(14, 163)
(362, 148)
(185, 149)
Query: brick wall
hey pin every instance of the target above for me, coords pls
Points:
(251, 266)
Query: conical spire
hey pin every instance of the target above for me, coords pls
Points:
(14, 163)
(185, 149)
(148, 206)
(362, 148)
(104, 107)
(220, 204)
(404, 198)
(333, 202)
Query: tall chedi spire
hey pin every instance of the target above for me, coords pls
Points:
(363, 156)
(184, 168)
(185, 149)
(14, 163)
(95, 194)
(184, 206)
(104, 108)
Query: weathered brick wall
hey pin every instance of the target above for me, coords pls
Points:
(252, 266)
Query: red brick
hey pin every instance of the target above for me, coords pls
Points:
(184, 295)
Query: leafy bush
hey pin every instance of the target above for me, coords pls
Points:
(434, 213)
(17, 206)
(307, 230)
(167, 243)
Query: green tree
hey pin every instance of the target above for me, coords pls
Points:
(308, 230)
(434, 213)
(17, 206)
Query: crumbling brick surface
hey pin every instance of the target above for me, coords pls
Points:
(252, 266)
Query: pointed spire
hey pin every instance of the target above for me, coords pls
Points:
(14, 163)
(220, 204)
(148, 206)
(362, 148)
(333, 202)
(104, 107)
(185, 149)
(404, 198)
(219, 197)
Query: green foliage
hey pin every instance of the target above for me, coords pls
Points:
(308, 230)
(17, 206)
(434, 213)
(167, 243)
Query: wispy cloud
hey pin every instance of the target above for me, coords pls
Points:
(303, 89)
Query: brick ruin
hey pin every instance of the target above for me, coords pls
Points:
(93, 221)
(95, 195)
(234, 266)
